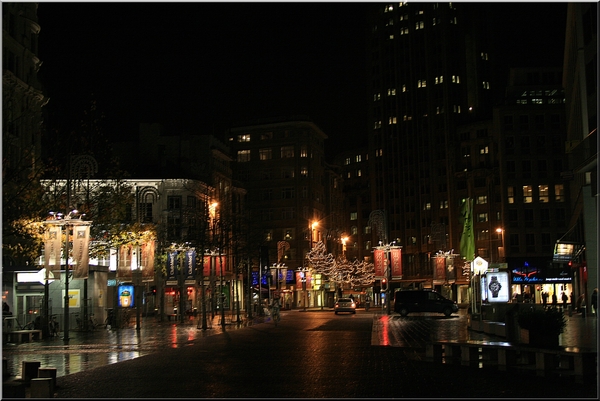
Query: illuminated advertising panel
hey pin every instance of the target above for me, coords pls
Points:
(126, 296)
(497, 287)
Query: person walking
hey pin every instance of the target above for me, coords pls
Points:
(565, 299)
(595, 301)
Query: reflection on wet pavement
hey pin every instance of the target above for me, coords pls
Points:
(86, 351)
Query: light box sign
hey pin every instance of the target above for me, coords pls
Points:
(126, 296)
(563, 252)
(497, 287)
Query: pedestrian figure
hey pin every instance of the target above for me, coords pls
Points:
(595, 301)
(554, 299)
(565, 298)
(544, 298)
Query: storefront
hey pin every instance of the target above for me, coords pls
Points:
(534, 280)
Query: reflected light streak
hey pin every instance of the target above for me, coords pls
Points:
(385, 334)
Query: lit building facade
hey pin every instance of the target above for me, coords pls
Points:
(429, 73)
(281, 165)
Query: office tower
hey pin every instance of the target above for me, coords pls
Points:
(429, 73)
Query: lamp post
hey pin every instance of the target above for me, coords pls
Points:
(344, 240)
(303, 271)
(68, 222)
(501, 254)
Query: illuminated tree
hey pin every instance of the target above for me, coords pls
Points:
(340, 271)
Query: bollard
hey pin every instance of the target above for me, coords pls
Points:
(29, 370)
(41, 387)
(5, 372)
(48, 373)
(583, 310)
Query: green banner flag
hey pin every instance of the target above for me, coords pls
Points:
(467, 239)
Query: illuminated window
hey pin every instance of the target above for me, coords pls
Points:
(483, 234)
(544, 193)
(377, 124)
(457, 108)
(481, 200)
(243, 155)
(243, 138)
(287, 152)
(455, 79)
(376, 97)
(427, 206)
(358, 158)
(482, 217)
(527, 194)
(392, 120)
(353, 215)
(484, 56)
(422, 83)
(265, 154)
(391, 36)
(303, 151)
(559, 193)
(390, 22)
(443, 204)
(391, 92)
(486, 85)
(510, 192)
(419, 25)
(346, 161)
(359, 173)
(403, 88)
(484, 150)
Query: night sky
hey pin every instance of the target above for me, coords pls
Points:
(198, 67)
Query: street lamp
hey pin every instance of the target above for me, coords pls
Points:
(312, 230)
(68, 221)
(501, 253)
(303, 271)
(344, 240)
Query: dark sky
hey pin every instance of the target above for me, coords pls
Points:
(199, 66)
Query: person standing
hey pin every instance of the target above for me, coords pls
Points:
(564, 298)
(544, 298)
(554, 299)
(595, 301)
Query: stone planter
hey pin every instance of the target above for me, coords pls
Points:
(537, 338)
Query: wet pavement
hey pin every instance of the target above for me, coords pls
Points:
(86, 351)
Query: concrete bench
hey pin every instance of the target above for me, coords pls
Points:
(20, 335)
(466, 352)
(578, 362)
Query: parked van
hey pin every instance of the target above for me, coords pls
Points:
(409, 301)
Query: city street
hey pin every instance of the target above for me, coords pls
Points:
(308, 355)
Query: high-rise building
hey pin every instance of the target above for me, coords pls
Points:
(530, 129)
(429, 73)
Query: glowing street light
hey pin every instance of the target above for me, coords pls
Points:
(501, 250)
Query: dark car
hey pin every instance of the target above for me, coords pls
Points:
(345, 305)
(409, 301)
